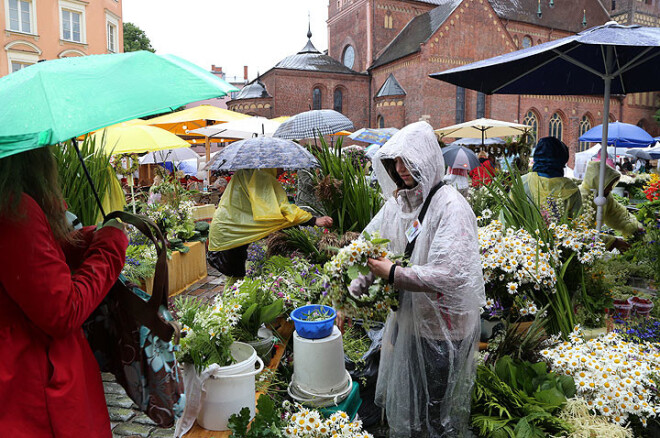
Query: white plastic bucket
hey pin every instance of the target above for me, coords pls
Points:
(318, 365)
(231, 389)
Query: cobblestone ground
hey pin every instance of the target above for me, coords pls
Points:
(126, 420)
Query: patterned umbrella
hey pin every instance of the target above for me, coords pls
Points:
(460, 157)
(310, 123)
(263, 153)
(373, 136)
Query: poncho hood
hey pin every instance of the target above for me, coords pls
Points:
(418, 148)
(592, 173)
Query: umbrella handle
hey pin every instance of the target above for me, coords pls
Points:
(89, 178)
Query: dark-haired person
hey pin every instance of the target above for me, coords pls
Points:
(50, 282)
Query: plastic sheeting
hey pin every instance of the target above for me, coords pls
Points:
(615, 215)
(427, 360)
(253, 206)
(538, 189)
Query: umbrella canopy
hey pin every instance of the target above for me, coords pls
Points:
(263, 153)
(477, 141)
(646, 153)
(619, 134)
(136, 138)
(186, 121)
(56, 100)
(310, 123)
(483, 129)
(373, 136)
(241, 129)
(165, 155)
(602, 60)
(460, 157)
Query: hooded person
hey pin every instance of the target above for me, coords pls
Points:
(547, 177)
(427, 358)
(615, 215)
(253, 206)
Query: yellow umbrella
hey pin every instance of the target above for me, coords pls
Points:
(136, 138)
(181, 122)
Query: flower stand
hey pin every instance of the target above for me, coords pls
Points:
(184, 269)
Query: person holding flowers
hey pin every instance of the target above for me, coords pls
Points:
(427, 359)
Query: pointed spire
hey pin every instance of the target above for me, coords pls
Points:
(309, 26)
(584, 18)
(552, 3)
(539, 13)
(309, 47)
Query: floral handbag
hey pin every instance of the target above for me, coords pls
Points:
(131, 336)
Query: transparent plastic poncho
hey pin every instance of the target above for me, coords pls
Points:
(427, 361)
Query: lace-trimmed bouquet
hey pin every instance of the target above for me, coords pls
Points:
(347, 265)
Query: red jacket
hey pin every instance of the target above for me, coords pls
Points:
(50, 384)
(483, 174)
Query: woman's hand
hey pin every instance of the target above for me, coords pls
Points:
(324, 221)
(380, 267)
(116, 224)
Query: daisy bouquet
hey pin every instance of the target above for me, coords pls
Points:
(350, 262)
(206, 330)
(306, 423)
(616, 378)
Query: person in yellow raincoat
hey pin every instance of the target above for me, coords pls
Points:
(615, 215)
(253, 206)
(547, 177)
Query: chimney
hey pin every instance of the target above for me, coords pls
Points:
(216, 70)
(245, 72)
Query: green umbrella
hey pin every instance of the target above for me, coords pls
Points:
(56, 100)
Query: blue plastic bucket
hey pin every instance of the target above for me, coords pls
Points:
(313, 329)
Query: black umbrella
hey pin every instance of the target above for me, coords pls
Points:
(600, 61)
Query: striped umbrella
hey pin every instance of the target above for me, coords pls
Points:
(312, 123)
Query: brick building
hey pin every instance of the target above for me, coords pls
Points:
(391, 46)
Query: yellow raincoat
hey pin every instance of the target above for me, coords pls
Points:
(615, 215)
(538, 188)
(253, 206)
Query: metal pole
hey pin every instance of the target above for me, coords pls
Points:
(600, 199)
(89, 177)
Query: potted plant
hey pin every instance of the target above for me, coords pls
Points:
(219, 371)
(314, 321)
(259, 309)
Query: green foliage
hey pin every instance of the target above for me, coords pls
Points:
(136, 39)
(517, 342)
(519, 399)
(306, 240)
(140, 262)
(259, 307)
(75, 187)
(267, 421)
(344, 190)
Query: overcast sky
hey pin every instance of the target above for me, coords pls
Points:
(230, 33)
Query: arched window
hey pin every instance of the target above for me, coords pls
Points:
(556, 126)
(348, 58)
(380, 121)
(388, 21)
(526, 42)
(533, 121)
(338, 100)
(316, 99)
(585, 125)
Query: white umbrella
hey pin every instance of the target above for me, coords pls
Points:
(483, 129)
(164, 155)
(241, 129)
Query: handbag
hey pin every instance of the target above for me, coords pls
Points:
(131, 335)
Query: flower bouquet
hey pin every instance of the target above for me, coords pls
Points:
(615, 377)
(347, 265)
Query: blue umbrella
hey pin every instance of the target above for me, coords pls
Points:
(619, 134)
(600, 61)
(373, 136)
(263, 153)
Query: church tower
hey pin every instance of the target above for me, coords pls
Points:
(627, 12)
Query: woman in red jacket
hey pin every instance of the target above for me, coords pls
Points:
(50, 384)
